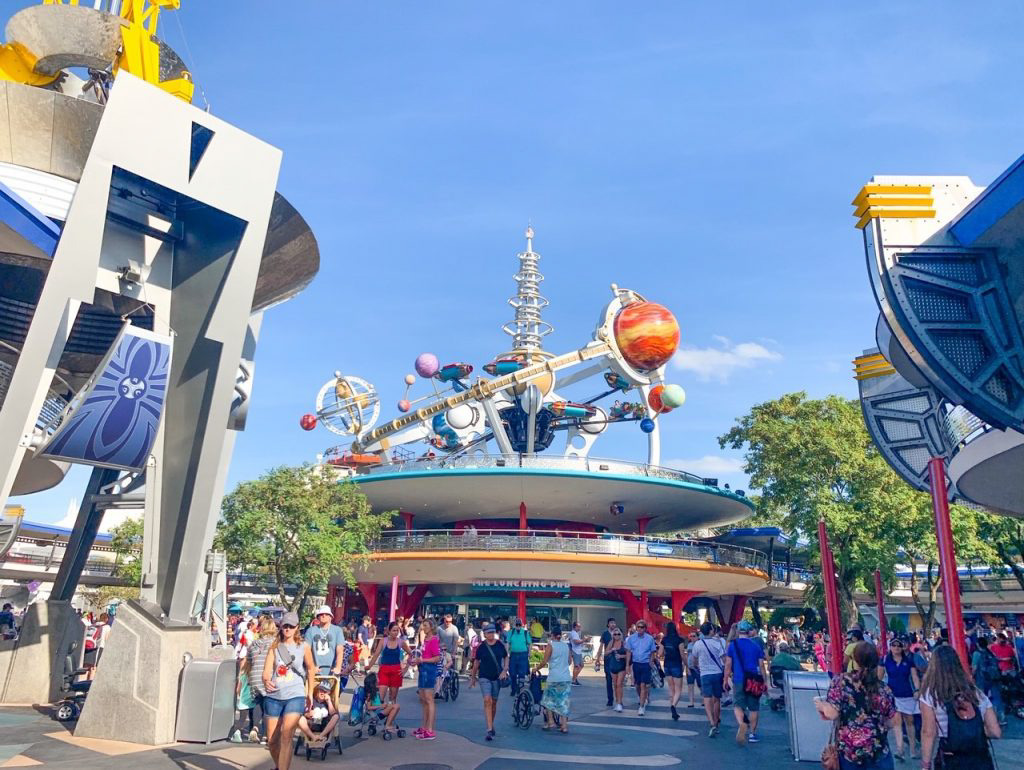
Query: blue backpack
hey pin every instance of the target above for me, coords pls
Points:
(355, 712)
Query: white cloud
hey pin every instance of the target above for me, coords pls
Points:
(708, 465)
(720, 363)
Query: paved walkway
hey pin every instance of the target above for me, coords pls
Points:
(599, 738)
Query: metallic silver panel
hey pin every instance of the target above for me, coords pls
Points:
(30, 117)
(66, 36)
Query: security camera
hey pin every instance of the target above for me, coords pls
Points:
(617, 509)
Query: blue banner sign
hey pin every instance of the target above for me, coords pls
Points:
(113, 421)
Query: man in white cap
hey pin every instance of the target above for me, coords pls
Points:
(327, 642)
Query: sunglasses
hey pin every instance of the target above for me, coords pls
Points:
(287, 626)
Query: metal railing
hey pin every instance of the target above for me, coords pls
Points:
(558, 462)
(537, 541)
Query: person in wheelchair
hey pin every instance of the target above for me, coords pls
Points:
(783, 661)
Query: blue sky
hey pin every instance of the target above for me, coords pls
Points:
(704, 155)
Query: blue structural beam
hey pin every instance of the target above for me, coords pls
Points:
(990, 208)
(20, 217)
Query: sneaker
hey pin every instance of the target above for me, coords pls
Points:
(675, 714)
(428, 735)
(741, 734)
(618, 707)
(609, 704)
(417, 732)
(236, 736)
(752, 738)
(577, 683)
(489, 736)
(254, 736)
(640, 711)
(712, 731)
(716, 729)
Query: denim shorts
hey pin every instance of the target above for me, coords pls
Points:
(428, 676)
(692, 676)
(674, 670)
(711, 685)
(577, 658)
(489, 688)
(641, 673)
(276, 707)
(745, 701)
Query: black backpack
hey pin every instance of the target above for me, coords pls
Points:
(965, 744)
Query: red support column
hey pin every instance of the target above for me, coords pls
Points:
(883, 624)
(407, 518)
(947, 560)
(739, 604)
(369, 592)
(634, 610)
(835, 626)
(521, 606)
(393, 606)
(641, 524)
(522, 518)
(411, 601)
(678, 601)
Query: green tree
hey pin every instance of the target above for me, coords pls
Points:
(126, 543)
(813, 459)
(300, 527)
(1006, 537)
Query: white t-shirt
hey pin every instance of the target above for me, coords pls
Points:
(984, 704)
(576, 640)
(709, 653)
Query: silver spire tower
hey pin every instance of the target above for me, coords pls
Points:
(528, 329)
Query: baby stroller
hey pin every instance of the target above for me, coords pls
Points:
(324, 741)
(72, 693)
(365, 716)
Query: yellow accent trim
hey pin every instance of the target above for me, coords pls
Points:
(571, 558)
(874, 365)
(884, 213)
(898, 189)
(885, 200)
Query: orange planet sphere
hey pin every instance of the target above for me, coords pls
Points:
(655, 401)
(647, 334)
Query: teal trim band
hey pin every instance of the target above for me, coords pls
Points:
(729, 495)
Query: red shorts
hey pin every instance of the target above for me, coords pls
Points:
(390, 675)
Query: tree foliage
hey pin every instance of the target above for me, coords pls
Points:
(300, 527)
(813, 459)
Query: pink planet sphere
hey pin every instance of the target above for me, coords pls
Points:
(307, 421)
(426, 365)
(404, 406)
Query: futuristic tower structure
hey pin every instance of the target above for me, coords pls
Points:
(503, 497)
(946, 260)
(141, 241)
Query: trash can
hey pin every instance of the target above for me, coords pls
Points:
(206, 701)
(808, 732)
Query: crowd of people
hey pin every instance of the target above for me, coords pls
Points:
(915, 701)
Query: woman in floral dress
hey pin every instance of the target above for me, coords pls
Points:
(865, 710)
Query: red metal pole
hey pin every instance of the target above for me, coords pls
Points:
(883, 624)
(835, 626)
(521, 596)
(947, 560)
(522, 518)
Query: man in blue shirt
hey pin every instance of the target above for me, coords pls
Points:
(744, 659)
(327, 643)
(639, 647)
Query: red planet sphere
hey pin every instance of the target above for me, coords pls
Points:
(655, 401)
(307, 422)
(647, 334)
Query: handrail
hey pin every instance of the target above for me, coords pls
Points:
(561, 541)
(589, 464)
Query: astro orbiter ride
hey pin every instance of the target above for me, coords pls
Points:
(519, 407)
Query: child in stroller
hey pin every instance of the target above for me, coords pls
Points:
(319, 724)
(368, 711)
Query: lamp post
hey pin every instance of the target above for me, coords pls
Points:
(947, 560)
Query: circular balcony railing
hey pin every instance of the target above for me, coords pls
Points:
(593, 465)
(535, 541)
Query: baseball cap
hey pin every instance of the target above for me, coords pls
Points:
(324, 610)
(324, 686)
(744, 627)
(489, 627)
(290, 619)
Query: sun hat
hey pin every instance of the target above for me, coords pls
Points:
(323, 610)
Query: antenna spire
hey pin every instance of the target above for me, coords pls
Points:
(528, 329)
